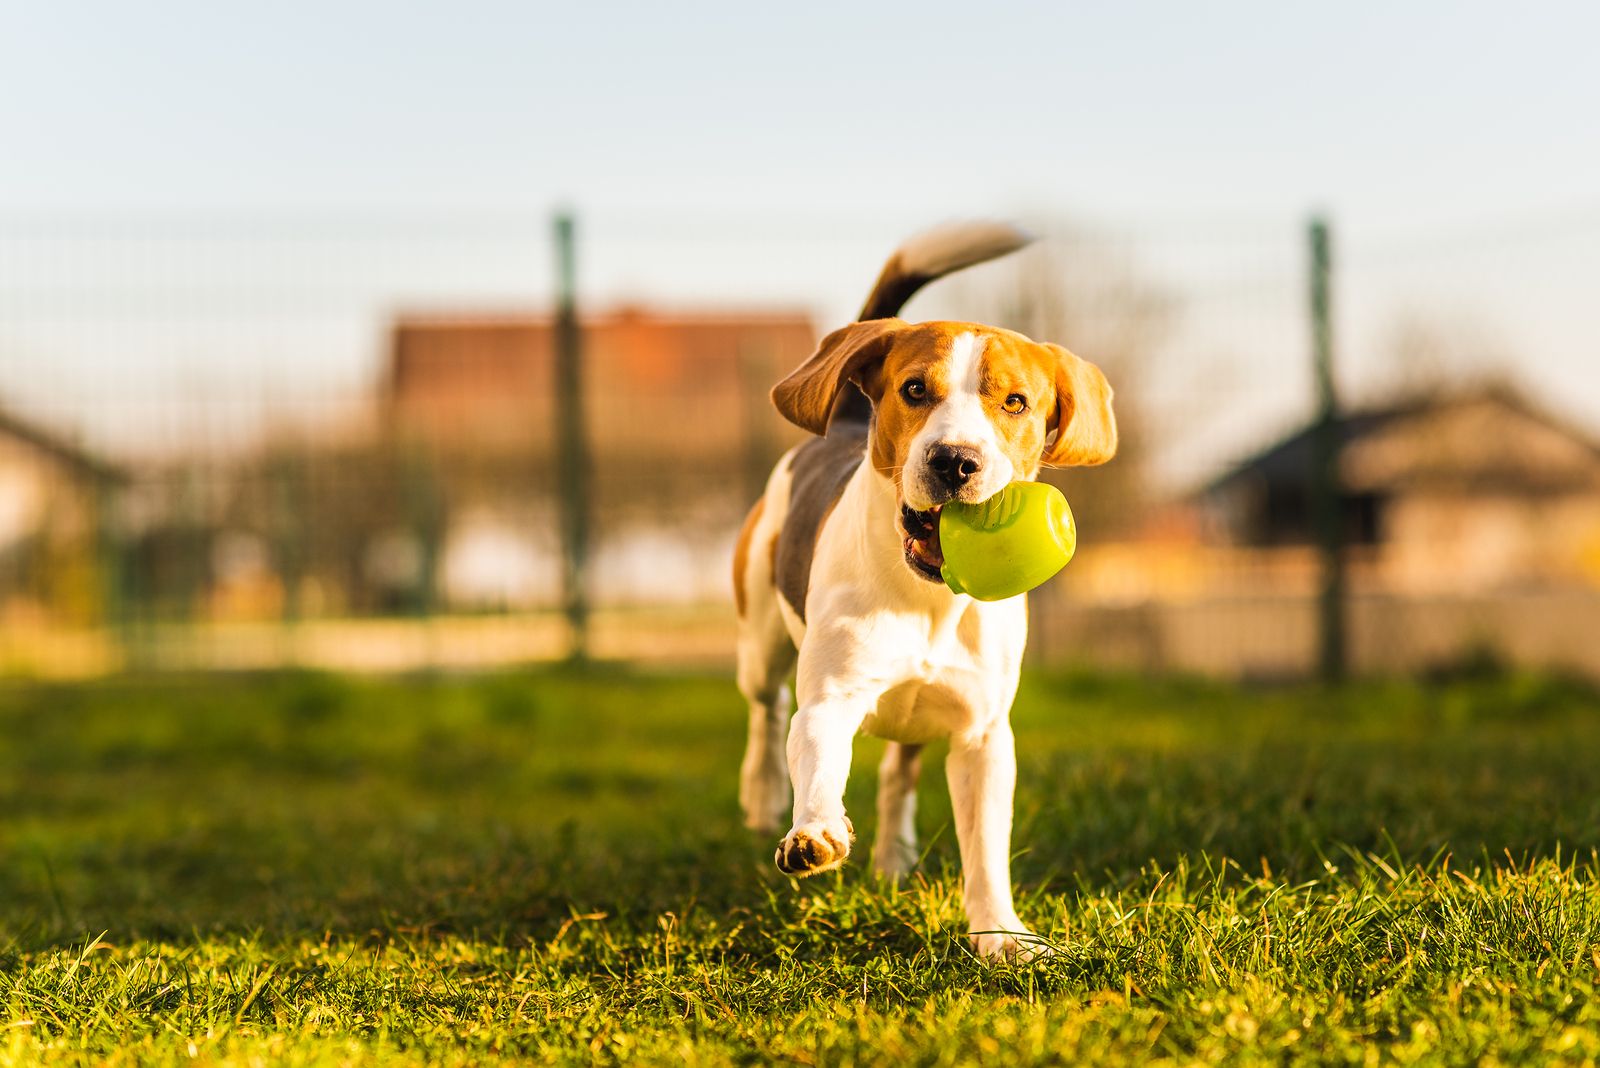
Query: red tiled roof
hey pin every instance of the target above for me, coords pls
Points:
(489, 377)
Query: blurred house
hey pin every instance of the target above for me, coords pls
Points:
(51, 497)
(1464, 492)
(1472, 523)
(486, 383)
(680, 430)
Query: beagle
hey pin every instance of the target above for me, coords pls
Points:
(836, 575)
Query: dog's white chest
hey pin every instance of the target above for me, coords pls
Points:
(957, 684)
(915, 711)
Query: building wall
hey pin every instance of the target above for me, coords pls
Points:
(488, 384)
(483, 383)
(48, 562)
(1444, 542)
(1275, 637)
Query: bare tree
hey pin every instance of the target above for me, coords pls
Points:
(1428, 355)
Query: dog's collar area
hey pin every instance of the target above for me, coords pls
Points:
(923, 553)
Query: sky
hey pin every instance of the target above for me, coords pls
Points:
(720, 153)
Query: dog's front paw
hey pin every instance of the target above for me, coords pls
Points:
(1012, 942)
(812, 848)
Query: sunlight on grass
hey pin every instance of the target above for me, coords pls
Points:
(314, 870)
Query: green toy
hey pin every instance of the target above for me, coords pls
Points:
(1007, 544)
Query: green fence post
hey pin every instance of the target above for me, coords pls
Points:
(572, 455)
(1324, 483)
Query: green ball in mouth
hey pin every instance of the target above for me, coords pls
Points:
(1006, 545)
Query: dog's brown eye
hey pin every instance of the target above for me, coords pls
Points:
(1016, 404)
(914, 390)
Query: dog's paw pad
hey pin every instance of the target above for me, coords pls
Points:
(814, 848)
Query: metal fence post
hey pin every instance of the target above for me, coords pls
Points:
(1327, 515)
(572, 457)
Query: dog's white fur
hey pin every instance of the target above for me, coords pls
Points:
(888, 652)
(959, 420)
(903, 659)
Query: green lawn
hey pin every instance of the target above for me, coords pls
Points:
(319, 870)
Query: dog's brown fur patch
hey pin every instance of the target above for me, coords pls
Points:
(1063, 393)
(1010, 364)
(741, 556)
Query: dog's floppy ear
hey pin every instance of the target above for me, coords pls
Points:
(1086, 429)
(806, 398)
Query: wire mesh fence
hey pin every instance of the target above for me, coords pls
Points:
(332, 441)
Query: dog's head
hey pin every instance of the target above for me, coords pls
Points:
(959, 411)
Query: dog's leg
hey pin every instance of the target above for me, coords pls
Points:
(820, 737)
(763, 779)
(894, 852)
(983, 774)
(766, 657)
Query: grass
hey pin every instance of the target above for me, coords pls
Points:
(317, 870)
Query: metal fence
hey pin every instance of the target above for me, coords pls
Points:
(204, 462)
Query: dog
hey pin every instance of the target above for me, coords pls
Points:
(837, 576)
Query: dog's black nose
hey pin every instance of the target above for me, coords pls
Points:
(953, 465)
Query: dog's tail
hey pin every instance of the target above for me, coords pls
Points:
(933, 254)
(930, 255)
